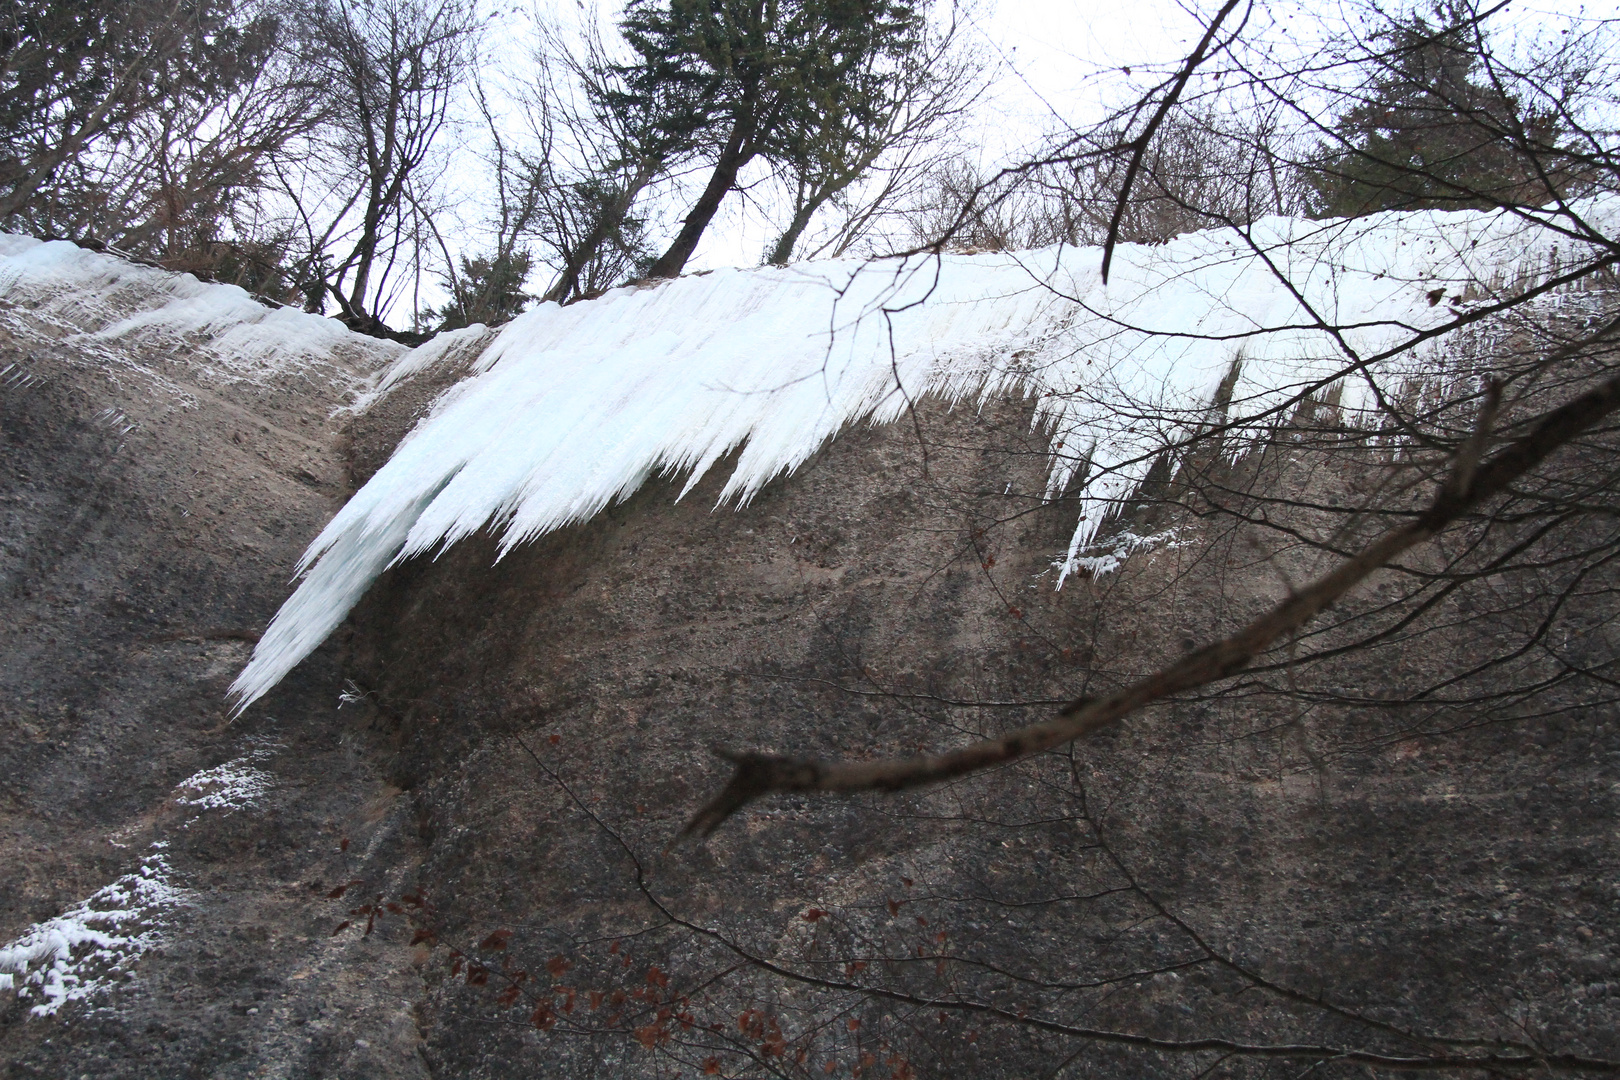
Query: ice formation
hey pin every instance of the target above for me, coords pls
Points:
(101, 303)
(571, 408)
(1101, 559)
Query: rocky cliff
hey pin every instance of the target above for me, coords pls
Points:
(447, 844)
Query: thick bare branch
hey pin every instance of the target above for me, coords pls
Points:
(761, 774)
(1142, 141)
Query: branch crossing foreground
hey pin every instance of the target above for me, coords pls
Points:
(1470, 484)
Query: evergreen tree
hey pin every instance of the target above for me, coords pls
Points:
(488, 290)
(1429, 130)
(735, 80)
(78, 73)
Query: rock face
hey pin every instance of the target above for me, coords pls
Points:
(1211, 872)
(155, 498)
(468, 870)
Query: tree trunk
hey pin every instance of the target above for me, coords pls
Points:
(582, 254)
(783, 251)
(365, 251)
(612, 218)
(736, 154)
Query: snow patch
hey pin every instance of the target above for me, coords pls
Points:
(89, 948)
(572, 408)
(235, 785)
(86, 949)
(101, 304)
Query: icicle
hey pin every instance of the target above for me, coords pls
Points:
(572, 408)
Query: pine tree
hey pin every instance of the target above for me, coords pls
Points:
(1430, 131)
(736, 80)
(488, 290)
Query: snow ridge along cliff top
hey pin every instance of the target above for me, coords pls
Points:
(126, 319)
(569, 409)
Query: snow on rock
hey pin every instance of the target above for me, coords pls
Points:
(98, 302)
(449, 347)
(235, 785)
(89, 948)
(1111, 554)
(86, 949)
(571, 408)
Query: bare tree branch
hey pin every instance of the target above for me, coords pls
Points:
(761, 774)
(1140, 144)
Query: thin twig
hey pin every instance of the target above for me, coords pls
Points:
(1140, 144)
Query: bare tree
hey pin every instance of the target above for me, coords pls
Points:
(489, 288)
(1204, 169)
(961, 209)
(149, 128)
(189, 184)
(391, 69)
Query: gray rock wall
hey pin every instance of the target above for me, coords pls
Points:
(153, 505)
(1249, 868)
(523, 740)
